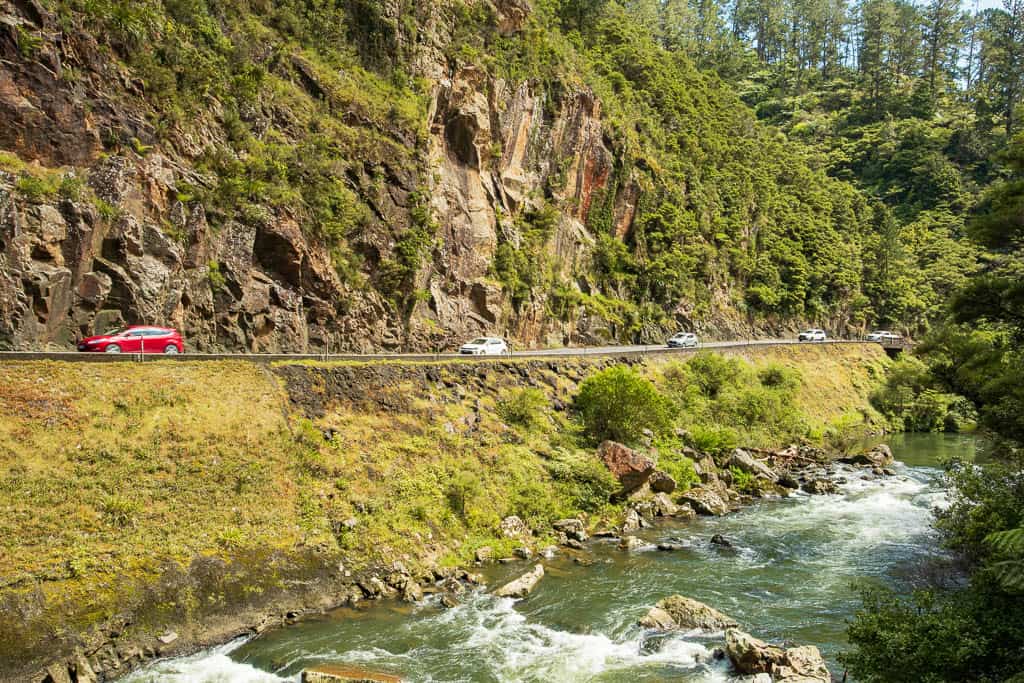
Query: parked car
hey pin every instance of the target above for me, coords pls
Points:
(135, 339)
(813, 334)
(884, 337)
(682, 340)
(485, 346)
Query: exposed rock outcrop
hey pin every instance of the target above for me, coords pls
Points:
(632, 469)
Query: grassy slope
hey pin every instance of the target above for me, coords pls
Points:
(111, 471)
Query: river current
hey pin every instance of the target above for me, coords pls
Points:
(790, 576)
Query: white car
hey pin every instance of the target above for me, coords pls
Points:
(812, 334)
(683, 340)
(484, 346)
(885, 337)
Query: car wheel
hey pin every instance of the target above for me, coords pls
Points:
(170, 350)
(112, 348)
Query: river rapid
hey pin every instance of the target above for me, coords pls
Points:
(789, 576)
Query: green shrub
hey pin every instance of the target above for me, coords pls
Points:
(462, 488)
(744, 482)
(679, 467)
(713, 439)
(523, 407)
(775, 376)
(713, 372)
(619, 404)
(582, 479)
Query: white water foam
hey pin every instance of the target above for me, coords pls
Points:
(209, 666)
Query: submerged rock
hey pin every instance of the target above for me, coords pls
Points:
(630, 468)
(678, 612)
(522, 586)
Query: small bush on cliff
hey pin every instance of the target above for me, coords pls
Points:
(585, 483)
(619, 404)
(523, 407)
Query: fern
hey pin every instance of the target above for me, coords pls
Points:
(1009, 573)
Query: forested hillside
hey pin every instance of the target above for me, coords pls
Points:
(383, 174)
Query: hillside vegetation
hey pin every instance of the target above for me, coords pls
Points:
(418, 172)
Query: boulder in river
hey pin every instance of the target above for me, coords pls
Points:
(663, 505)
(750, 655)
(630, 543)
(331, 673)
(705, 501)
(803, 665)
(630, 468)
(522, 586)
(572, 528)
(879, 456)
(719, 539)
(662, 482)
(745, 462)
(678, 612)
(632, 521)
(819, 486)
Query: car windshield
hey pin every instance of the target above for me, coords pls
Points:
(807, 332)
(115, 332)
(481, 340)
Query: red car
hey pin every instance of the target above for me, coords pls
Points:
(135, 339)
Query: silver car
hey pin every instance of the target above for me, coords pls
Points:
(683, 340)
(885, 337)
(813, 334)
(484, 346)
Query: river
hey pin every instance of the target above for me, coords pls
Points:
(790, 576)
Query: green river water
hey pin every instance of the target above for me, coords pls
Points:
(789, 577)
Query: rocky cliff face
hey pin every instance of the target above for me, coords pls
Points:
(99, 225)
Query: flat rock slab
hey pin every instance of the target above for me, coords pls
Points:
(331, 673)
(522, 586)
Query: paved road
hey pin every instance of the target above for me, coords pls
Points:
(635, 350)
